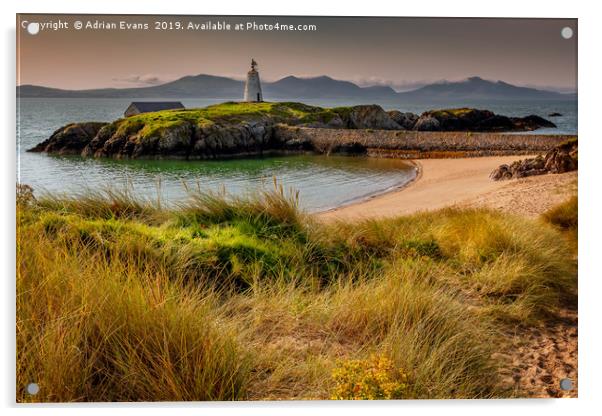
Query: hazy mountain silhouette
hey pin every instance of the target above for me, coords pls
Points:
(322, 87)
(476, 88)
(189, 86)
(294, 88)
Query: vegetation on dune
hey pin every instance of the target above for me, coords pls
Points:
(225, 298)
(564, 215)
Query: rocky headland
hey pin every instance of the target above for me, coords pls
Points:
(239, 129)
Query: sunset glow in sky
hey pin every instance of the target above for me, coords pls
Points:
(401, 52)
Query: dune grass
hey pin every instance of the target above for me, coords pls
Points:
(564, 216)
(225, 298)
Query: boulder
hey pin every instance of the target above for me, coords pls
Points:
(405, 120)
(561, 159)
(458, 119)
(369, 117)
(427, 123)
(501, 173)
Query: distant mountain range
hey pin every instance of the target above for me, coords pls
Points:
(294, 88)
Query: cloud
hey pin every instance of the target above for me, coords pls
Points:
(397, 85)
(141, 80)
(364, 81)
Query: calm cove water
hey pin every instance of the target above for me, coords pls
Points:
(323, 182)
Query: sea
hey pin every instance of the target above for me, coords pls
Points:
(322, 182)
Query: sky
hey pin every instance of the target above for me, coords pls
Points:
(401, 52)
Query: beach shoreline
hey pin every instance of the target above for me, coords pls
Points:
(462, 182)
(376, 194)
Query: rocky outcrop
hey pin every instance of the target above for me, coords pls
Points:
(184, 140)
(70, 139)
(368, 117)
(470, 119)
(246, 138)
(560, 159)
(494, 123)
(405, 120)
(241, 129)
(531, 123)
(427, 123)
(452, 120)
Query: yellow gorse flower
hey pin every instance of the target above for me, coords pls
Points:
(375, 378)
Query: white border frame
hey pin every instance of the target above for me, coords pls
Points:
(589, 190)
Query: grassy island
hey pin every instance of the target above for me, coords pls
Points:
(229, 298)
(229, 113)
(242, 129)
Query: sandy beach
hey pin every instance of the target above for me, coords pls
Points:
(463, 182)
(537, 357)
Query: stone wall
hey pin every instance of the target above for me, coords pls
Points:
(414, 144)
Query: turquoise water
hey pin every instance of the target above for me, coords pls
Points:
(323, 182)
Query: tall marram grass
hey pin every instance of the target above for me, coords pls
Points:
(431, 334)
(104, 203)
(516, 266)
(225, 298)
(277, 207)
(91, 329)
(564, 215)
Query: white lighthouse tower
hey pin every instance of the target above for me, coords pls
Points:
(253, 86)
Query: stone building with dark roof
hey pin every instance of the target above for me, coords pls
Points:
(138, 107)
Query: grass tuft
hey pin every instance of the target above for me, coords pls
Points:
(275, 208)
(104, 203)
(564, 216)
(228, 298)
